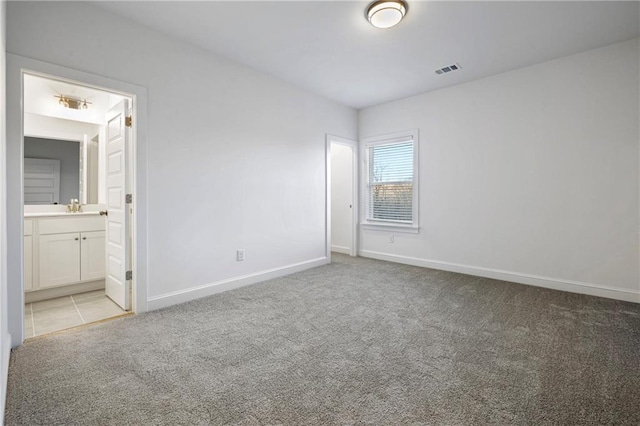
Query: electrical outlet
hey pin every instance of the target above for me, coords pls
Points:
(240, 255)
(391, 239)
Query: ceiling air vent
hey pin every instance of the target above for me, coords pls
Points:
(450, 68)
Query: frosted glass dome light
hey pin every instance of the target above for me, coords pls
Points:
(386, 13)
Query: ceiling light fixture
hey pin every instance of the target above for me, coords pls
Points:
(386, 13)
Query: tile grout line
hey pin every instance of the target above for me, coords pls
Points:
(78, 310)
(33, 321)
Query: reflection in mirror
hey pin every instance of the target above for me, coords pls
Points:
(89, 168)
(56, 171)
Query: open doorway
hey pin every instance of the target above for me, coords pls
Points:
(343, 189)
(17, 68)
(77, 227)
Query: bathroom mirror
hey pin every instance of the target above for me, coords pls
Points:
(57, 170)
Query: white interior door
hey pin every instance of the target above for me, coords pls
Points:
(117, 229)
(342, 198)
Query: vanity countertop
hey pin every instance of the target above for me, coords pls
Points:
(60, 214)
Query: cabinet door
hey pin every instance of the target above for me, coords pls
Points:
(92, 256)
(59, 259)
(28, 262)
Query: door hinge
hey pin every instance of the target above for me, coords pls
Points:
(129, 275)
(128, 198)
(128, 121)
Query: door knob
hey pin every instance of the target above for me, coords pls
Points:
(84, 238)
(77, 238)
(104, 213)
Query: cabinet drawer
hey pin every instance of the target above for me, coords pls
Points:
(71, 224)
(28, 227)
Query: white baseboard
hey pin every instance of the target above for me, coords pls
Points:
(52, 293)
(340, 249)
(168, 299)
(6, 355)
(534, 280)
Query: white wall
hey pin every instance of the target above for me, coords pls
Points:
(529, 176)
(5, 339)
(341, 198)
(41, 126)
(236, 158)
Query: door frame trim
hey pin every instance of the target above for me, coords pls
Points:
(17, 66)
(353, 144)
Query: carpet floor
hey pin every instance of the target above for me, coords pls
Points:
(358, 341)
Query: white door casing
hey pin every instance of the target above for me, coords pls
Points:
(17, 67)
(117, 227)
(353, 223)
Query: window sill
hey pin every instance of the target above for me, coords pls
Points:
(390, 227)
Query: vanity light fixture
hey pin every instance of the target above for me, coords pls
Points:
(386, 13)
(73, 103)
(63, 102)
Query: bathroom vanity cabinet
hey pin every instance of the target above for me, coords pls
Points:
(64, 251)
(70, 258)
(28, 255)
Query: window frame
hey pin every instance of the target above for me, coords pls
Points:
(382, 224)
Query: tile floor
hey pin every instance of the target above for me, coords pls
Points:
(60, 313)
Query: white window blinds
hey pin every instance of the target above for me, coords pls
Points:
(390, 180)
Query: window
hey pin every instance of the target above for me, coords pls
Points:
(391, 181)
